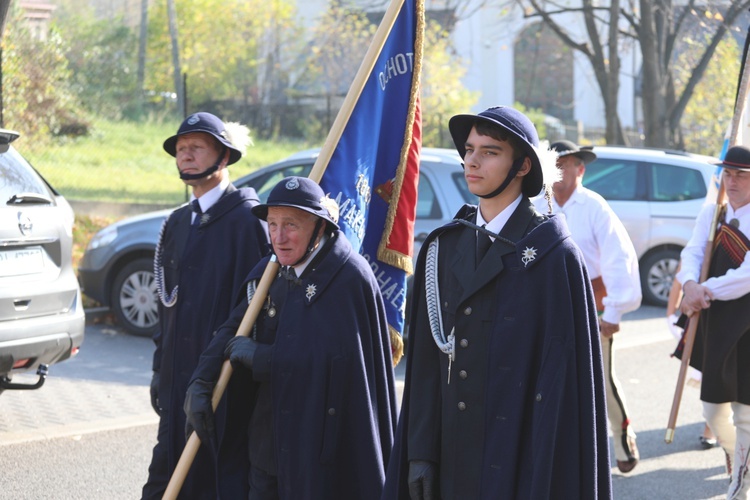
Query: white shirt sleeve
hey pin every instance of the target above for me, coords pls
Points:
(607, 250)
(733, 284)
(619, 266)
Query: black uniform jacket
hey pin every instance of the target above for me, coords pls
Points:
(520, 412)
(209, 264)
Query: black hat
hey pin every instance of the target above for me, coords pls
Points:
(301, 193)
(514, 122)
(737, 158)
(569, 148)
(208, 123)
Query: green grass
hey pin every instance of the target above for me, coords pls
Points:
(124, 162)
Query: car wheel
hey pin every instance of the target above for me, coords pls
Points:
(658, 270)
(134, 299)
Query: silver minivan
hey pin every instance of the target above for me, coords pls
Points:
(657, 195)
(41, 314)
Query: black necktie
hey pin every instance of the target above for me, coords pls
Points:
(196, 207)
(290, 274)
(483, 244)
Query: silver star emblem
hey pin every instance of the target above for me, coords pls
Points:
(310, 291)
(529, 254)
(205, 218)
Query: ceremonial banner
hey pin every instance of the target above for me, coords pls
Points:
(374, 169)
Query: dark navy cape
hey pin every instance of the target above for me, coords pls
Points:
(332, 384)
(209, 264)
(524, 414)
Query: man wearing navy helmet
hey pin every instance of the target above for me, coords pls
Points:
(504, 394)
(204, 251)
(324, 406)
(613, 267)
(721, 305)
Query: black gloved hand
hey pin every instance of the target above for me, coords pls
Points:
(423, 479)
(240, 350)
(155, 393)
(199, 412)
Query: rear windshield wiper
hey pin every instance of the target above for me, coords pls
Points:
(28, 199)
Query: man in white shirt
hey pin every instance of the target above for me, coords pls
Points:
(613, 267)
(722, 343)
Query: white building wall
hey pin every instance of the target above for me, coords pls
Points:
(484, 38)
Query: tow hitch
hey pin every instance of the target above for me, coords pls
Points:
(6, 384)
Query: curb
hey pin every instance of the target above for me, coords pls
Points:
(95, 315)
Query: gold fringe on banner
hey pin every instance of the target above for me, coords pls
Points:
(392, 257)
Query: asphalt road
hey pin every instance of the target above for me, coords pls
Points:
(88, 433)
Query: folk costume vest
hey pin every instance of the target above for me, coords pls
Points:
(722, 343)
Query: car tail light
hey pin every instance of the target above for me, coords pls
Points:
(21, 363)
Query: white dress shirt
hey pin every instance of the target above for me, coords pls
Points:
(210, 198)
(736, 282)
(606, 248)
(498, 222)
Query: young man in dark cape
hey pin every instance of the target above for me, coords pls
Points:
(504, 394)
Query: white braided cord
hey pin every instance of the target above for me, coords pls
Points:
(432, 294)
(250, 294)
(170, 299)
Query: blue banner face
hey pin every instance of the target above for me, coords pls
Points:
(369, 165)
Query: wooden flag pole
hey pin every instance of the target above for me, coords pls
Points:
(193, 443)
(355, 90)
(693, 323)
(321, 163)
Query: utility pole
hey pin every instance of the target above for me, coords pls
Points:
(179, 90)
(4, 5)
(142, 55)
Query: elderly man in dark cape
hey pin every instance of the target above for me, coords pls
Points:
(504, 394)
(325, 411)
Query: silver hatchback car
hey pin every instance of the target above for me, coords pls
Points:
(117, 268)
(41, 314)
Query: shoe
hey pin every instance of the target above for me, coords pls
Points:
(631, 449)
(626, 466)
(708, 443)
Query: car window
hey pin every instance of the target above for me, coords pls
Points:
(427, 204)
(17, 176)
(614, 179)
(460, 182)
(673, 183)
(267, 182)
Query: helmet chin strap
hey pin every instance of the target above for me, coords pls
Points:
(210, 170)
(517, 164)
(311, 245)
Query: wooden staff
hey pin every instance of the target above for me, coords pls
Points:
(316, 174)
(692, 327)
(692, 324)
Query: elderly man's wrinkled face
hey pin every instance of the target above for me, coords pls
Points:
(571, 170)
(290, 230)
